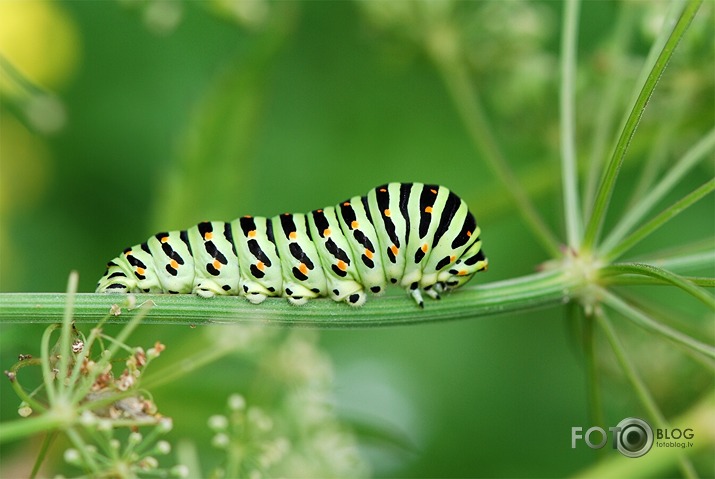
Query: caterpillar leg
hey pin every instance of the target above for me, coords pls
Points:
(417, 296)
(353, 298)
(432, 292)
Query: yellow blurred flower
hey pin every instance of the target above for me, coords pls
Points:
(40, 40)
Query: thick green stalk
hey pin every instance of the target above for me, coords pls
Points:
(541, 289)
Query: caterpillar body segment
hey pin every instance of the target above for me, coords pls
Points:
(259, 264)
(356, 224)
(341, 273)
(421, 237)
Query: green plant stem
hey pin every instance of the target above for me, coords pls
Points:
(66, 335)
(686, 262)
(644, 321)
(187, 365)
(36, 406)
(82, 388)
(46, 443)
(470, 109)
(662, 218)
(615, 54)
(640, 280)
(605, 189)
(537, 290)
(639, 386)
(47, 373)
(569, 170)
(657, 193)
(662, 275)
(25, 427)
(590, 356)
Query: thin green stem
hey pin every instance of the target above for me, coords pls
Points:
(666, 215)
(657, 193)
(77, 441)
(36, 406)
(644, 321)
(25, 427)
(527, 292)
(469, 107)
(615, 55)
(630, 371)
(47, 373)
(188, 365)
(82, 389)
(686, 262)
(65, 351)
(641, 280)
(661, 147)
(46, 443)
(639, 386)
(662, 275)
(86, 351)
(605, 189)
(590, 356)
(569, 170)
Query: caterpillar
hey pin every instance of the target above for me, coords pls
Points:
(422, 237)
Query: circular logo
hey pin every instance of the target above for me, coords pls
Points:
(634, 438)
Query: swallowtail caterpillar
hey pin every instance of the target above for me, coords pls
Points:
(420, 237)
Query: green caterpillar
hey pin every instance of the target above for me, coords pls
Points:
(419, 236)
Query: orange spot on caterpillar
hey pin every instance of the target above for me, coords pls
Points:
(252, 234)
(347, 203)
(326, 232)
(208, 236)
(342, 266)
(174, 264)
(387, 212)
(433, 191)
(165, 239)
(293, 235)
(452, 258)
(216, 264)
(368, 253)
(354, 225)
(469, 233)
(127, 253)
(260, 265)
(248, 216)
(424, 248)
(141, 271)
(303, 268)
(394, 249)
(319, 211)
(462, 273)
(382, 190)
(428, 209)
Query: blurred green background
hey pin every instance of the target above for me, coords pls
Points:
(163, 114)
